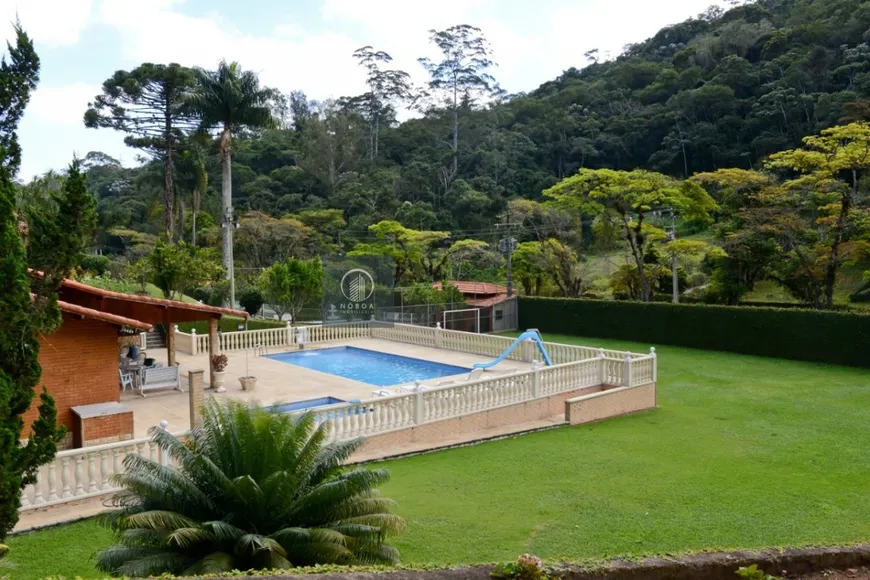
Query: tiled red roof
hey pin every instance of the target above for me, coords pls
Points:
(475, 288)
(156, 301)
(104, 316)
(485, 302)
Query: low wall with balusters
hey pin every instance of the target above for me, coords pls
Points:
(85, 473)
(288, 336)
(80, 474)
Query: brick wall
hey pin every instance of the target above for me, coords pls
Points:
(610, 403)
(129, 340)
(106, 429)
(79, 367)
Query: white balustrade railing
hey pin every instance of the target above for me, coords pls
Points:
(200, 342)
(337, 332)
(83, 473)
(351, 420)
(570, 376)
(194, 343)
(245, 339)
(643, 370)
(184, 342)
(407, 333)
(475, 396)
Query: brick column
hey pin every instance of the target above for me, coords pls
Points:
(197, 396)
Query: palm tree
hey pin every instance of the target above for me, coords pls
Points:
(231, 99)
(252, 490)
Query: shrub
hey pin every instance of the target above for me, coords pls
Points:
(811, 335)
(753, 572)
(251, 300)
(231, 324)
(96, 265)
(252, 490)
(527, 567)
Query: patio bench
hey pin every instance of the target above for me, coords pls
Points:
(159, 378)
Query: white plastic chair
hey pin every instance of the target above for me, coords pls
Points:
(472, 376)
(417, 387)
(126, 380)
(382, 393)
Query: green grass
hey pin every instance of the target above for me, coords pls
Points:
(744, 452)
(62, 550)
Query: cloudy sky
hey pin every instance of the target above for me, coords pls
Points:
(293, 44)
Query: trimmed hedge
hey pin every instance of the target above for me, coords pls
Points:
(230, 324)
(810, 335)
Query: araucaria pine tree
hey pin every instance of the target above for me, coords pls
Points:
(28, 307)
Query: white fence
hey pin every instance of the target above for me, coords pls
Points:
(80, 474)
(84, 473)
(194, 343)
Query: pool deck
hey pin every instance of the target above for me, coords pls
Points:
(279, 382)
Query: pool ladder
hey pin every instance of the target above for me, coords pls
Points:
(260, 350)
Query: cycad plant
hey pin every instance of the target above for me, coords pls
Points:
(251, 490)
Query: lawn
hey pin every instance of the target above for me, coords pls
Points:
(743, 452)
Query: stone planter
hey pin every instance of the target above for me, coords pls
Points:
(219, 381)
(248, 383)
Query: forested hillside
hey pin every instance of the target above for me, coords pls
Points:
(721, 90)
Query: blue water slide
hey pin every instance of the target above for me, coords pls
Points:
(531, 334)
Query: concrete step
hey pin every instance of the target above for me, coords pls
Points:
(154, 339)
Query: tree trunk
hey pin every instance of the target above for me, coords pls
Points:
(180, 224)
(637, 254)
(834, 255)
(193, 216)
(455, 128)
(227, 207)
(169, 195)
(377, 133)
(455, 140)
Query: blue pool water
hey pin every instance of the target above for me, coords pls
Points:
(375, 368)
(303, 405)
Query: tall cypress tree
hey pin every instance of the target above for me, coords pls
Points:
(28, 307)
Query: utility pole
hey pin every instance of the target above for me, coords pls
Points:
(672, 235)
(507, 245)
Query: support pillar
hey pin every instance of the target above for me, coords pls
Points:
(212, 348)
(170, 339)
(197, 396)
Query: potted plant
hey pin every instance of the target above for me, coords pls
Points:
(219, 364)
(248, 382)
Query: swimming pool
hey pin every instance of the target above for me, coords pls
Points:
(375, 368)
(304, 405)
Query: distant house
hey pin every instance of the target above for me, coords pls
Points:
(80, 362)
(496, 311)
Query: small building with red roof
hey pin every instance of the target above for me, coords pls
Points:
(80, 362)
(497, 310)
